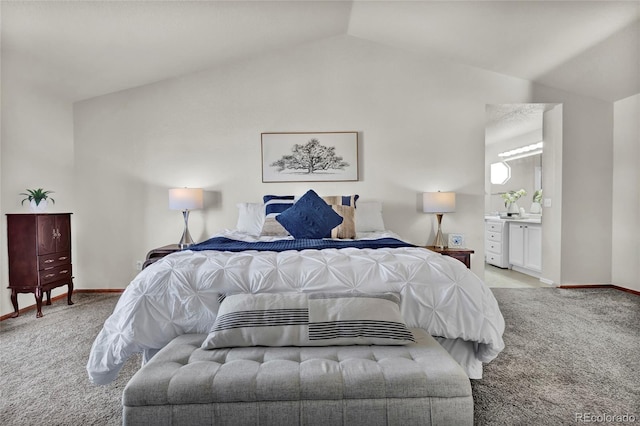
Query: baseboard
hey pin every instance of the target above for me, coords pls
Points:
(548, 282)
(526, 271)
(120, 290)
(616, 287)
(61, 296)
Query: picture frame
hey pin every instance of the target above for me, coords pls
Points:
(287, 156)
(456, 240)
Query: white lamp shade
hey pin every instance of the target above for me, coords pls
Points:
(186, 198)
(439, 202)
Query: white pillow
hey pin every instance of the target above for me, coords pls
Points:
(250, 218)
(369, 216)
(308, 319)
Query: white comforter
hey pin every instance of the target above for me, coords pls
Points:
(179, 294)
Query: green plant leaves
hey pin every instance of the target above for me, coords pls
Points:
(36, 195)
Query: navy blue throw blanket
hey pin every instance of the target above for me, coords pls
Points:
(227, 244)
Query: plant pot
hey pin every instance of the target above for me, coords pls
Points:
(38, 208)
(536, 208)
(513, 209)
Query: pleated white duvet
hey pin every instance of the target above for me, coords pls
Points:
(179, 295)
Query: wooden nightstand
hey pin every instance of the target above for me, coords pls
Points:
(160, 252)
(462, 254)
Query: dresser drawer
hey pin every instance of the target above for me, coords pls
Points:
(53, 260)
(56, 274)
(494, 259)
(494, 236)
(493, 226)
(493, 247)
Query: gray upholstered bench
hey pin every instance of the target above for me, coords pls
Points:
(417, 384)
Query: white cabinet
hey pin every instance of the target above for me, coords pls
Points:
(525, 247)
(496, 243)
(516, 244)
(533, 247)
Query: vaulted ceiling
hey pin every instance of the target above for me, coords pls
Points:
(78, 50)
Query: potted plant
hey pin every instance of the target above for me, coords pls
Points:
(510, 198)
(38, 199)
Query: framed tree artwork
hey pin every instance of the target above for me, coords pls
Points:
(310, 157)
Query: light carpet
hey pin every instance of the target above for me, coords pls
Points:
(567, 352)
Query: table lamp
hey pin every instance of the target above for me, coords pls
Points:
(185, 199)
(439, 203)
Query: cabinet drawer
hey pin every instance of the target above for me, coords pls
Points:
(493, 247)
(55, 274)
(50, 261)
(494, 236)
(493, 227)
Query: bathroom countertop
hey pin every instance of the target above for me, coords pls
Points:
(537, 219)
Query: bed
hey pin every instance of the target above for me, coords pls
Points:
(181, 293)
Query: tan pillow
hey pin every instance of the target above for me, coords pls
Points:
(272, 228)
(340, 200)
(347, 229)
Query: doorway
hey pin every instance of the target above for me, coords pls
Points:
(523, 146)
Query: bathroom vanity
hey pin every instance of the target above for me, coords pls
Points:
(514, 243)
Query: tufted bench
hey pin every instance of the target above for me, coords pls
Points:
(417, 384)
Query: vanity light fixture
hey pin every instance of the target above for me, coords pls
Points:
(439, 203)
(523, 151)
(185, 199)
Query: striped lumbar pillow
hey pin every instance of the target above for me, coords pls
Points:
(308, 319)
(357, 319)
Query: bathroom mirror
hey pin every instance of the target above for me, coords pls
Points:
(513, 154)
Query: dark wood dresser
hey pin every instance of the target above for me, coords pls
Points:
(39, 256)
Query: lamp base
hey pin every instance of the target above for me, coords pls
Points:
(185, 245)
(439, 240)
(185, 240)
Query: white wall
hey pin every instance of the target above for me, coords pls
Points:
(552, 190)
(421, 127)
(37, 152)
(625, 252)
(111, 159)
(587, 177)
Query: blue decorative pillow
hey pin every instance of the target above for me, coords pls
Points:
(309, 217)
(276, 204)
(273, 206)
